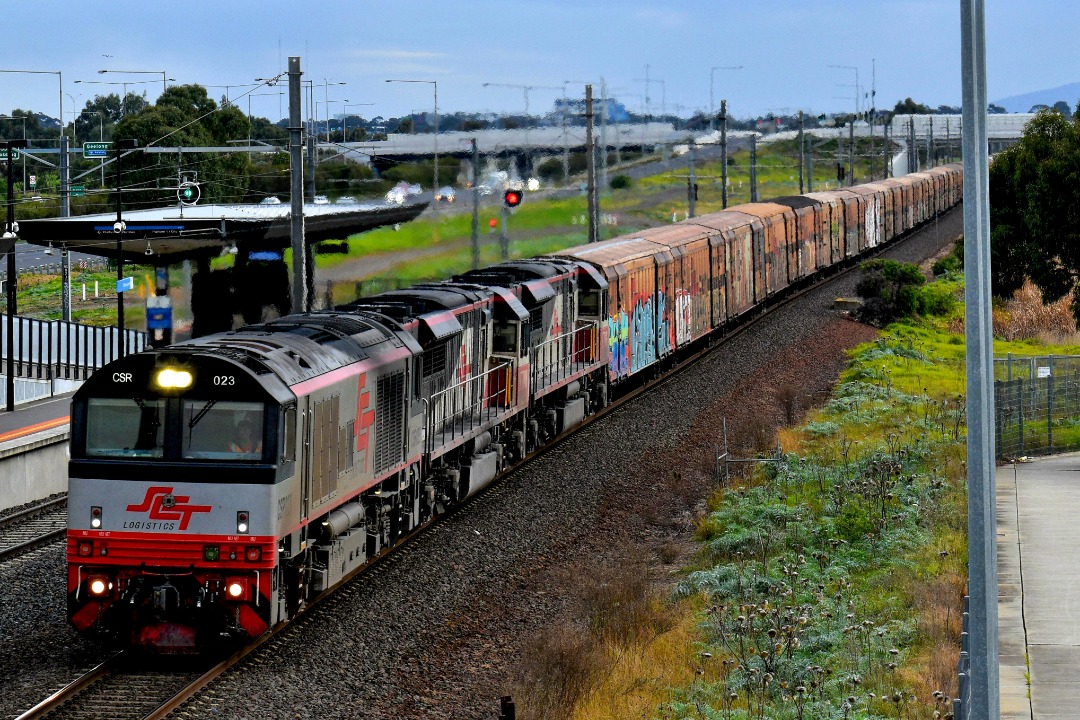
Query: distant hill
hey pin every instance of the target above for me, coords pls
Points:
(1022, 103)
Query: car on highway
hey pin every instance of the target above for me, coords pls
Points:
(270, 200)
(445, 194)
(321, 200)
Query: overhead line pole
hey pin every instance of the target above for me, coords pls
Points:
(982, 536)
(296, 185)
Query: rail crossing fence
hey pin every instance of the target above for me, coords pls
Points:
(47, 351)
(1036, 405)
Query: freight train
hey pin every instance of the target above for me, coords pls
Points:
(219, 485)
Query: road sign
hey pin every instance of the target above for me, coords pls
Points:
(77, 190)
(33, 181)
(125, 285)
(3, 154)
(96, 149)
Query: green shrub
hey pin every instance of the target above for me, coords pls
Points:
(621, 182)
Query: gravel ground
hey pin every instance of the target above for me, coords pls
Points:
(438, 631)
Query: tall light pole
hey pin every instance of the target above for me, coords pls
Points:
(326, 101)
(101, 133)
(435, 84)
(125, 83)
(59, 76)
(142, 72)
(345, 119)
(712, 106)
(852, 67)
(249, 96)
(327, 105)
(526, 89)
(118, 229)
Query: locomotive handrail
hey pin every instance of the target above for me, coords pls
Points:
(457, 410)
(555, 359)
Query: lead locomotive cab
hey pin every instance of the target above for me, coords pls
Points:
(173, 507)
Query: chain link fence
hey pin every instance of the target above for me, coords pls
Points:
(1037, 405)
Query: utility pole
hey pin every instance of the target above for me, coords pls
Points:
(590, 153)
(312, 153)
(870, 154)
(475, 205)
(65, 211)
(296, 185)
(723, 153)
(691, 184)
(810, 167)
(753, 167)
(851, 154)
(603, 135)
(930, 144)
(802, 152)
(118, 228)
(8, 245)
(913, 149)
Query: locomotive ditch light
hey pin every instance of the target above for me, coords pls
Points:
(242, 522)
(95, 517)
(235, 588)
(98, 586)
(173, 379)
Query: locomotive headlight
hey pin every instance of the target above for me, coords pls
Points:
(235, 589)
(173, 379)
(95, 517)
(242, 522)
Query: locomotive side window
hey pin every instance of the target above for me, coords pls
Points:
(124, 427)
(589, 303)
(222, 430)
(288, 451)
(504, 337)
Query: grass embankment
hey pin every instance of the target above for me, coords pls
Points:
(826, 585)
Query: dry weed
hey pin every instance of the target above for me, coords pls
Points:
(1026, 316)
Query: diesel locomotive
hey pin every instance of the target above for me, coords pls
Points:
(220, 484)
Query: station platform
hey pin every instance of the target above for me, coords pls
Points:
(1038, 537)
(34, 451)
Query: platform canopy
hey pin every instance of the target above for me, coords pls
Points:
(180, 233)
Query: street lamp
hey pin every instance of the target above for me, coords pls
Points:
(142, 72)
(345, 119)
(326, 100)
(327, 106)
(101, 133)
(712, 105)
(125, 83)
(852, 67)
(60, 76)
(435, 181)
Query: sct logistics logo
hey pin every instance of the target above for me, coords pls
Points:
(163, 505)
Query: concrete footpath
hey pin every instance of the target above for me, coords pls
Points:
(1038, 532)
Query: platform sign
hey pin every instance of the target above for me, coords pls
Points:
(77, 190)
(4, 154)
(96, 149)
(158, 312)
(125, 284)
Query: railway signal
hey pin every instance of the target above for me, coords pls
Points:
(188, 193)
(512, 198)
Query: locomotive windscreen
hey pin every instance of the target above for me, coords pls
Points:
(125, 427)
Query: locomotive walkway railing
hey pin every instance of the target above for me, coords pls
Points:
(468, 404)
(45, 350)
(1036, 405)
(564, 355)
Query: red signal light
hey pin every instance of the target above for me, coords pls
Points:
(512, 198)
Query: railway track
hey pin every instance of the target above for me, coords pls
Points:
(30, 528)
(115, 691)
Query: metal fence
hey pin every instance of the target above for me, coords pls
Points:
(53, 268)
(47, 350)
(1036, 405)
(962, 701)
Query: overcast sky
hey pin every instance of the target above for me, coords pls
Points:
(785, 48)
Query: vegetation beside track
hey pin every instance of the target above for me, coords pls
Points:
(828, 584)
